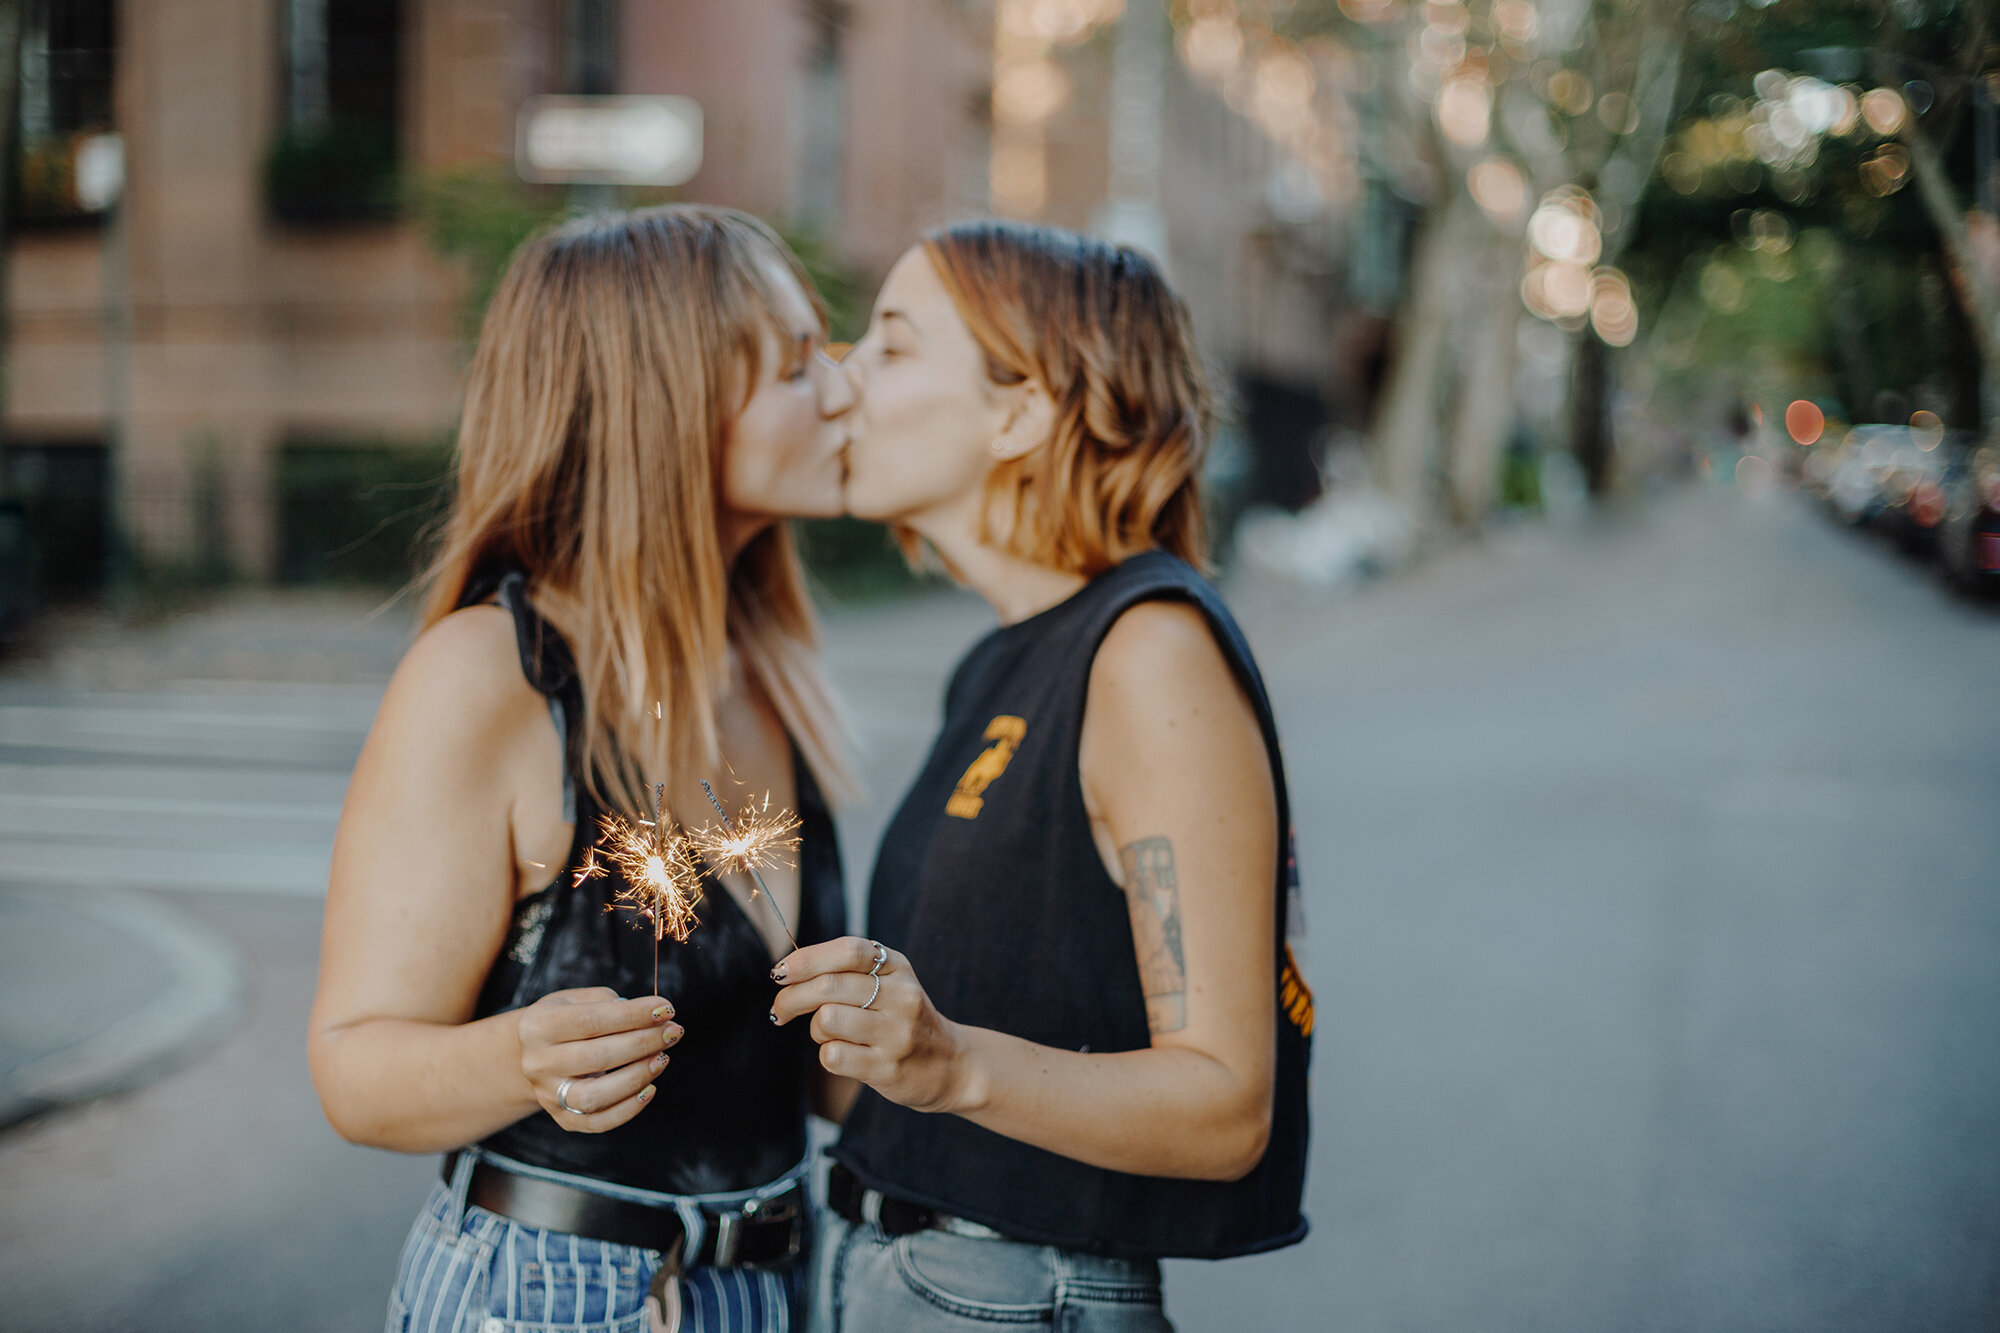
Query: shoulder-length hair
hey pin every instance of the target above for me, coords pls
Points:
(614, 354)
(1097, 326)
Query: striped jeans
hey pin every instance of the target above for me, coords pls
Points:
(465, 1270)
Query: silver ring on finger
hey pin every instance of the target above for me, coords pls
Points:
(881, 957)
(562, 1096)
(877, 991)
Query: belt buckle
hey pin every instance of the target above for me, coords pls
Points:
(729, 1230)
(728, 1235)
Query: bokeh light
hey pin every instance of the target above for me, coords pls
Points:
(1464, 107)
(1613, 313)
(1027, 91)
(1497, 187)
(1804, 421)
(1884, 110)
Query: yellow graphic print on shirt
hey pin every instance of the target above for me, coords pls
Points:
(1294, 995)
(1005, 732)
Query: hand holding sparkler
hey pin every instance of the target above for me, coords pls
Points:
(754, 839)
(591, 1057)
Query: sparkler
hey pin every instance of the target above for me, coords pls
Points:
(754, 839)
(661, 879)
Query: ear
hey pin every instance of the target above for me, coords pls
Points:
(1031, 419)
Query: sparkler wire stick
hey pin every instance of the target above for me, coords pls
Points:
(744, 859)
(660, 841)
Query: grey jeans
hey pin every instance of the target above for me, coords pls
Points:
(867, 1282)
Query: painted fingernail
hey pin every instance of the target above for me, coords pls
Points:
(774, 1018)
(646, 1094)
(778, 972)
(674, 1033)
(660, 1061)
(662, 1012)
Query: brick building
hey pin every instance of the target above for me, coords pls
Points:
(230, 361)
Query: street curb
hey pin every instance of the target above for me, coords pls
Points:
(194, 1010)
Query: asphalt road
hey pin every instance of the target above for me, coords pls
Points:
(1653, 878)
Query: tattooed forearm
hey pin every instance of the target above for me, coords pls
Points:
(1154, 899)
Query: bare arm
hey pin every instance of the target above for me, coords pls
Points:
(418, 906)
(1176, 776)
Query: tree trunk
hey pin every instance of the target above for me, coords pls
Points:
(1590, 412)
(1407, 416)
(1486, 407)
(1970, 280)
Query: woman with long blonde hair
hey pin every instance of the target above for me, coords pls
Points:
(615, 603)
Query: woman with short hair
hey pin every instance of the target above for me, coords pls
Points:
(1080, 1035)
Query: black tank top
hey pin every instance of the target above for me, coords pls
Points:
(730, 1113)
(989, 880)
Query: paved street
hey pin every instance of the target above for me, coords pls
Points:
(1653, 879)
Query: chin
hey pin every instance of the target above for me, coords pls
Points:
(858, 503)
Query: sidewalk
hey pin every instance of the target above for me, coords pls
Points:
(111, 736)
(101, 990)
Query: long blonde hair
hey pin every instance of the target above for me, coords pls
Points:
(611, 360)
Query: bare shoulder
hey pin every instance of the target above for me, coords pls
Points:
(461, 681)
(1162, 698)
(1161, 653)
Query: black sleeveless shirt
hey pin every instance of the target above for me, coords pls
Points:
(730, 1110)
(989, 880)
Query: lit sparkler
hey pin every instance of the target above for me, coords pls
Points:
(662, 881)
(752, 840)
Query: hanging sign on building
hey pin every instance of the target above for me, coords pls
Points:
(608, 140)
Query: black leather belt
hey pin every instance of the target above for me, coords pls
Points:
(764, 1233)
(847, 1196)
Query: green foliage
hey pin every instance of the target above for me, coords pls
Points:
(45, 179)
(477, 216)
(840, 285)
(854, 561)
(1822, 275)
(1521, 477)
(359, 511)
(344, 171)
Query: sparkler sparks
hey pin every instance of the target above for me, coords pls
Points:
(662, 881)
(755, 838)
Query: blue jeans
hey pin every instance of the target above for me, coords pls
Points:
(867, 1282)
(465, 1270)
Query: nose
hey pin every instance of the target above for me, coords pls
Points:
(837, 391)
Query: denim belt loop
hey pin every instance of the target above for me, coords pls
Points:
(461, 1181)
(694, 1231)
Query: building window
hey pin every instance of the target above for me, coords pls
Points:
(67, 167)
(54, 520)
(336, 154)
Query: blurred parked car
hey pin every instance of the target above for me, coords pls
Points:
(1913, 491)
(1968, 539)
(1854, 475)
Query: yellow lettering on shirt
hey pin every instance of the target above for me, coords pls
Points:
(967, 799)
(1294, 996)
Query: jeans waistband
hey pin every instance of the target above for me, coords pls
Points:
(698, 1213)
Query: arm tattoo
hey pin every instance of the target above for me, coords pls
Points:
(1153, 895)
